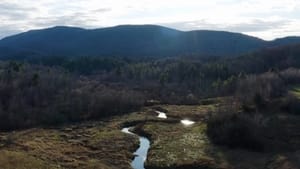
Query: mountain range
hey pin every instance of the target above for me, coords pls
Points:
(133, 41)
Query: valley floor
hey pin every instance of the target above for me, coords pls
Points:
(102, 145)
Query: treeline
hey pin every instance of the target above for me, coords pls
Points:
(79, 65)
(256, 121)
(36, 91)
(51, 93)
(207, 78)
(173, 80)
(32, 95)
(278, 58)
(158, 78)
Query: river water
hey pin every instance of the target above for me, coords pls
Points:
(141, 153)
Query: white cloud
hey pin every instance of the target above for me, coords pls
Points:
(267, 19)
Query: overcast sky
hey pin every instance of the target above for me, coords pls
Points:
(267, 19)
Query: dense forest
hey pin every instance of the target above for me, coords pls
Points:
(54, 90)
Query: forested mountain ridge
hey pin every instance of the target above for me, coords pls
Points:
(132, 41)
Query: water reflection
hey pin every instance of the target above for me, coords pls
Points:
(187, 122)
(161, 114)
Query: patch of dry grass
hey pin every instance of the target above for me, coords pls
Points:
(88, 146)
(21, 160)
(101, 145)
(176, 145)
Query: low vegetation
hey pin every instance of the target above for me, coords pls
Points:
(88, 145)
(237, 130)
(259, 116)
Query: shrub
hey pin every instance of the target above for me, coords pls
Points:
(260, 89)
(290, 76)
(236, 130)
(108, 102)
(291, 104)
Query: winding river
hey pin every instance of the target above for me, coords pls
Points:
(141, 153)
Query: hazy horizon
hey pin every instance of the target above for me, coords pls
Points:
(143, 25)
(263, 19)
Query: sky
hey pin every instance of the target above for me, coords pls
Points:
(266, 19)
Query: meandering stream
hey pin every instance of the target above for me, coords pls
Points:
(141, 153)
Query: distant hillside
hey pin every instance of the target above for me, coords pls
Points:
(284, 41)
(132, 41)
(268, 59)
